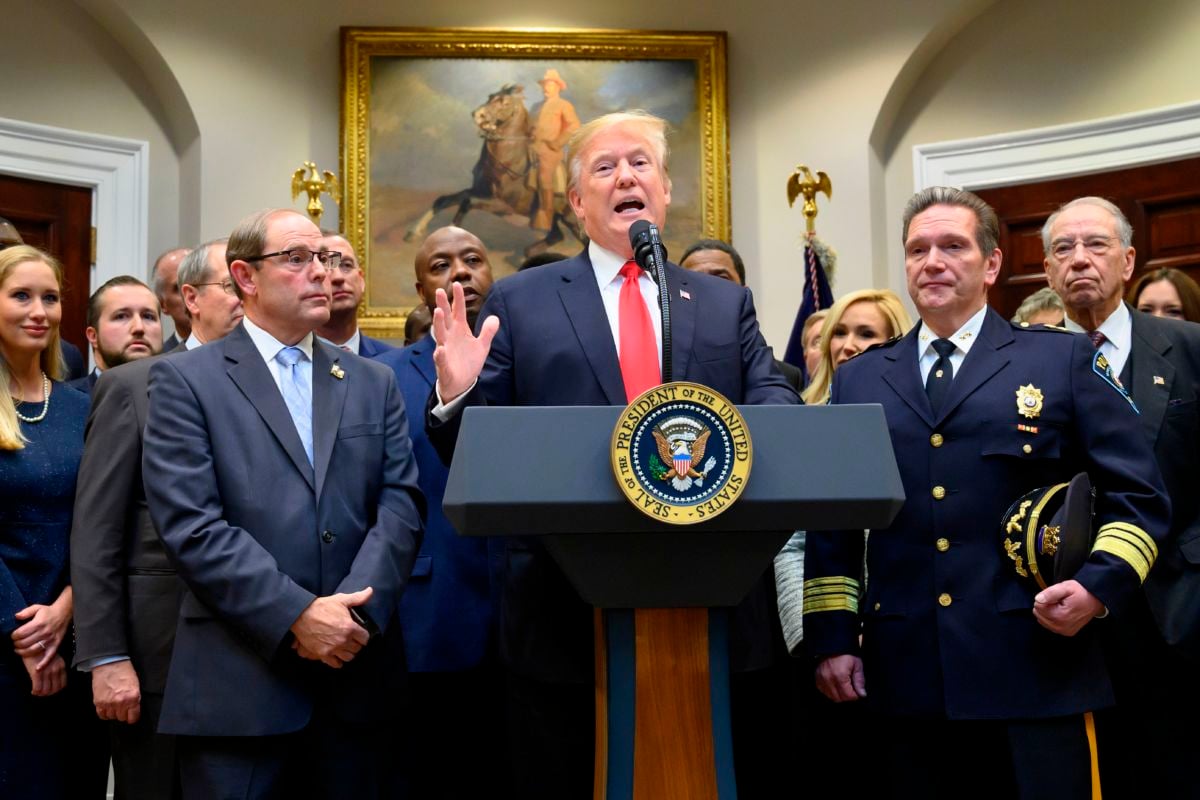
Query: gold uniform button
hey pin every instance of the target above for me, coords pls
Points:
(1027, 449)
(939, 492)
(936, 440)
(944, 599)
(943, 545)
(877, 606)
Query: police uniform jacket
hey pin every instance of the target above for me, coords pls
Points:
(947, 625)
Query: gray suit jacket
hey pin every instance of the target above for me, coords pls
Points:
(126, 592)
(258, 533)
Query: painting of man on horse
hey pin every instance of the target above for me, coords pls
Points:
(514, 167)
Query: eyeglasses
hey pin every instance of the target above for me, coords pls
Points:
(1096, 245)
(226, 285)
(300, 257)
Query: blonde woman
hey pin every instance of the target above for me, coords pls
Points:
(41, 441)
(855, 322)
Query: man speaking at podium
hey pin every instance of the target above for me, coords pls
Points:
(587, 331)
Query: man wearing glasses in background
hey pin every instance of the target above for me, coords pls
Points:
(213, 306)
(285, 492)
(348, 283)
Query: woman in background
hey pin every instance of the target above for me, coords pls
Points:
(41, 441)
(855, 322)
(1166, 293)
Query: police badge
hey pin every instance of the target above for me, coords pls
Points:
(681, 453)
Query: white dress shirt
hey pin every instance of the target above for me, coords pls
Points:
(1118, 335)
(963, 338)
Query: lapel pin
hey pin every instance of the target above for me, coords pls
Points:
(337, 372)
(684, 295)
(1158, 381)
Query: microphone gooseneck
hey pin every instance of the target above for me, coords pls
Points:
(651, 255)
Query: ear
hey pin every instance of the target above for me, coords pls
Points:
(576, 202)
(189, 294)
(991, 267)
(421, 293)
(1127, 271)
(244, 274)
(92, 336)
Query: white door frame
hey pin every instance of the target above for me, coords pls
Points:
(117, 171)
(1145, 137)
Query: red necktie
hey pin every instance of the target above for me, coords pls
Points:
(639, 352)
(1097, 338)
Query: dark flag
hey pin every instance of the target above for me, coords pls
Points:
(816, 296)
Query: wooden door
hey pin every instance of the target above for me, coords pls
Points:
(1162, 202)
(58, 219)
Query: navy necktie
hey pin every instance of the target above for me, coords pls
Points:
(937, 385)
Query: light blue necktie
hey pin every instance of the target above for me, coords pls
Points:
(293, 383)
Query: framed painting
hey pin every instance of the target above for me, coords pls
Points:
(446, 126)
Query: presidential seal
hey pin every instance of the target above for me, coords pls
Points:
(681, 453)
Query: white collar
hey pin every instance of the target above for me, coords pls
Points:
(605, 264)
(1117, 329)
(963, 338)
(268, 346)
(351, 344)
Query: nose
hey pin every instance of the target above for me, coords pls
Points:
(850, 345)
(138, 324)
(37, 311)
(624, 172)
(460, 271)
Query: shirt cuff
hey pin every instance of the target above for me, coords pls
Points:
(92, 663)
(445, 411)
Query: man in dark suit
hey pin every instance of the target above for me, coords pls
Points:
(164, 277)
(448, 612)
(285, 492)
(561, 335)
(348, 283)
(123, 324)
(959, 657)
(1149, 739)
(716, 258)
(126, 592)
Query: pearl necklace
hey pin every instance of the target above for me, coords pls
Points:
(45, 403)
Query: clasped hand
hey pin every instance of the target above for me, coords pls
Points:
(460, 354)
(44, 629)
(326, 632)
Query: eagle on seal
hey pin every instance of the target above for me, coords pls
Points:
(681, 455)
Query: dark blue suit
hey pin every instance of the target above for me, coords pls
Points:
(555, 348)
(257, 533)
(370, 348)
(982, 655)
(448, 611)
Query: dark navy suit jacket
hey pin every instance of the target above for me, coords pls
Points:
(448, 610)
(555, 348)
(257, 533)
(370, 348)
(982, 654)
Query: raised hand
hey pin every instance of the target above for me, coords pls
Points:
(460, 354)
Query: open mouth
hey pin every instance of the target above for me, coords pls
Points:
(629, 205)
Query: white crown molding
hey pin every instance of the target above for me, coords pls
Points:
(116, 169)
(1060, 151)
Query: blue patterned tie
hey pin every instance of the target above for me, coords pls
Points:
(293, 383)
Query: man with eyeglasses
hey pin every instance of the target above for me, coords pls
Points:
(285, 492)
(1149, 739)
(347, 284)
(208, 295)
(127, 589)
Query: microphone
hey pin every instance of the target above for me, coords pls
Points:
(651, 255)
(648, 249)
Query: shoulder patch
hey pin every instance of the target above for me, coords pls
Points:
(1104, 369)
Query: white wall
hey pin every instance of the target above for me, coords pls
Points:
(60, 68)
(1028, 64)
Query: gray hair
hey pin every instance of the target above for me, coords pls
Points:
(1124, 229)
(194, 268)
(156, 280)
(1044, 299)
(987, 225)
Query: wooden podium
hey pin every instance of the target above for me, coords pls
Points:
(662, 670)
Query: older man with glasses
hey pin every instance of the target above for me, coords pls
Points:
(208, 294)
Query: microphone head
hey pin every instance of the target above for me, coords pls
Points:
(641, 241)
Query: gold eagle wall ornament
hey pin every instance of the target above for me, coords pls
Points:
(314, 186)
(802, 182)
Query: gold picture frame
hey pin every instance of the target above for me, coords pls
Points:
(406, 141)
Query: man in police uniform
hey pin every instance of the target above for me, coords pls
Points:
(983, 686)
